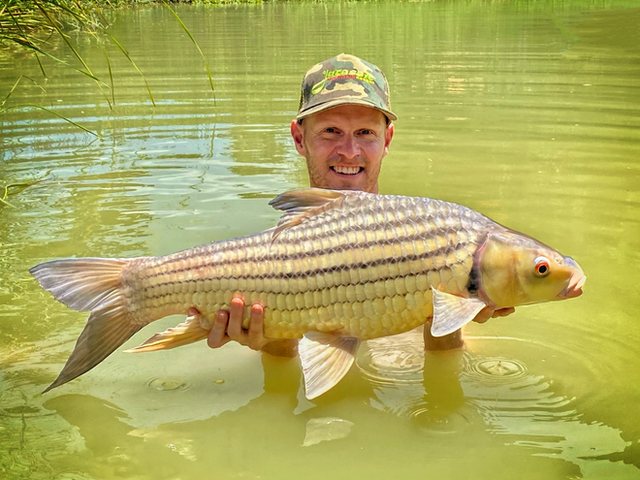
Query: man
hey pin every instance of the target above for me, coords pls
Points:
(343, 129)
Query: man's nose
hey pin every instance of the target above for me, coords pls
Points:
(349, 147)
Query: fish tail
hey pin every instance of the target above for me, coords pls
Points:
(90, 284)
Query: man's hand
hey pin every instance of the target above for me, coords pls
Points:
(454, 340)
(487, 312)
(228, 326)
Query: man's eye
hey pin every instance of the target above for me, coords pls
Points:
(366, 132)
(330, 130)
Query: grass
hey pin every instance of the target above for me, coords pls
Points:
(13, 189)
(30, 24)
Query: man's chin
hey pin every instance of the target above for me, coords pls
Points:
(344, 182)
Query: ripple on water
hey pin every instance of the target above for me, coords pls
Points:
(168, 384)
(430, 420)
(393, 360)
(498, 369)
(504, 383)
(517, 386)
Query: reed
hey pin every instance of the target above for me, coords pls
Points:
(30, 24)
(13, 189)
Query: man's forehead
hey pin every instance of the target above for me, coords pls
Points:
(348, 114)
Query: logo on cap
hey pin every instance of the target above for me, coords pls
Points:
(343, 74)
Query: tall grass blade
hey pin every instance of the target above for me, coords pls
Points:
(15, 85)
(184, 27)
(53, 113)
(63, 36)
(66, 40)
(19, 186)
(3, 198)
(23, 33)
(47, 54)
(126, 54)
(113, 92)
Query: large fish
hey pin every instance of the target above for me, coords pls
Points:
(339, 267)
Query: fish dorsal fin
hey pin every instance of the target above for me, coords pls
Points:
(300, 205)
(451, 313)
(326, 358)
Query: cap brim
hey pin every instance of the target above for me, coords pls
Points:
(337, 103)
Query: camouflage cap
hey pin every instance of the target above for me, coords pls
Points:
(344, 80)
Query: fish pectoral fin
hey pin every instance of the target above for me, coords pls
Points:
(300, 205)
(450, 312)
(326, 358)
(187, 332)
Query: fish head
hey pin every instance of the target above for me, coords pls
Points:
(515, 269)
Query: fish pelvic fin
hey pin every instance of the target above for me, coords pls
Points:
(300, 205)
(189, 331)
(451, 313)
(90, 284)
(326, 358)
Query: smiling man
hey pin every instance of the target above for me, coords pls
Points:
(343, 129)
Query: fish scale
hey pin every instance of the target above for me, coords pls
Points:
(320, 275)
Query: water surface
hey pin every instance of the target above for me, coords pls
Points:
(529, 113)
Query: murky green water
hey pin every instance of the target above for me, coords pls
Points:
(528, 113)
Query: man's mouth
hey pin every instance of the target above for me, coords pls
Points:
(347, 170)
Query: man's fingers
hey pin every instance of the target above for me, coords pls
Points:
(484, 315)
(236, 312)
(218, 333)
(256, 327)
(503, 312)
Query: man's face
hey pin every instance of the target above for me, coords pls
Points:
(344, 147)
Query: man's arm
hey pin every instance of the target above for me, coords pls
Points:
(455, 340)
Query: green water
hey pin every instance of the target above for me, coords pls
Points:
(529, 113)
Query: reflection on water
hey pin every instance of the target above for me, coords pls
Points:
(528, 112)
(456, 389)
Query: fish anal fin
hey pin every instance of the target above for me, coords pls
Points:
(450, 312)
(189, 331)
(300, 205)
(326, 358)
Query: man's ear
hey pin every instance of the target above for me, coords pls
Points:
(297, 133)
(388, 135)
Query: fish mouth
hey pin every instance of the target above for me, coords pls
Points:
(574, 289)
(346, 170)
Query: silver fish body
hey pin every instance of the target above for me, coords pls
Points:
(364, 267)
(339, 266)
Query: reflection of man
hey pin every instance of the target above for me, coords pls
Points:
(343, 129)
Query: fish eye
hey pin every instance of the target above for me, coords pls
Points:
(541, 266)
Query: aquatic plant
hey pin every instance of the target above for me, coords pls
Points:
(30, 25)
(13, 189)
